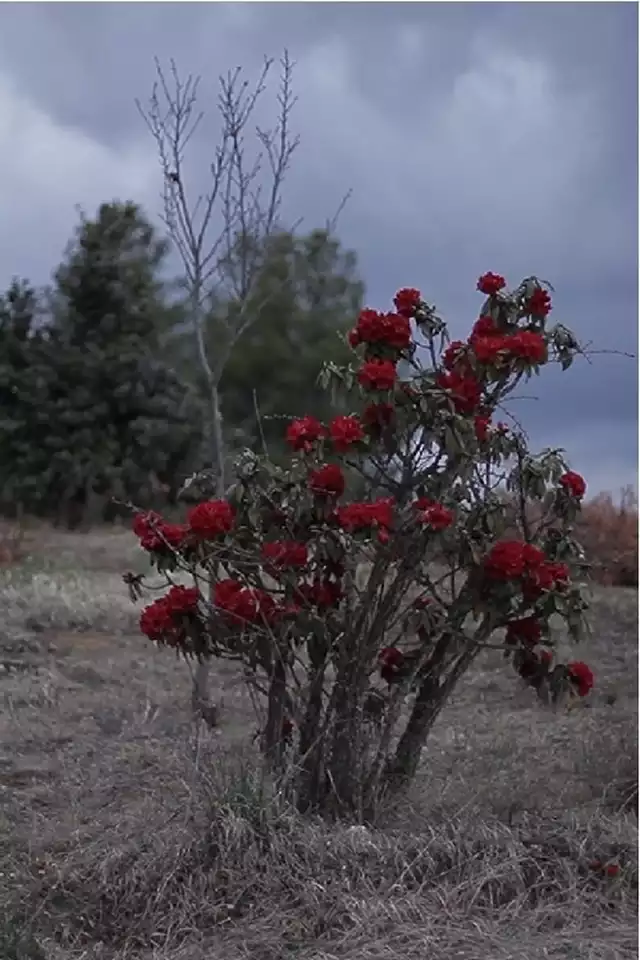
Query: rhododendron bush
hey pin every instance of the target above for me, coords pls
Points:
(353, 620)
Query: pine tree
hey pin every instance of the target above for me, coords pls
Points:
(122, 424)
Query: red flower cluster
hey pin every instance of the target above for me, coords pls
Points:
(548, 576)
(377, 375)
(491, 283)
(581, 677)
(484, 326)
(539, 303)
(378, 415)
(433, 514)
(465, 390)
(327, 481)
(524, 345)
(303, 433)
(364, 516)
(512, 559)
(321, 593)
(160, 621)
(391, 329)
(211, 519)
(286, 554)
(344, 432)
(391, 661)
(156, 534)
(481, 425)
(516, 560)
(526, 630)
(455, 357)
(574, 484)
(407, 301)
(246, 604)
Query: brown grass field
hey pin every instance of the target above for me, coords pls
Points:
(115, 843)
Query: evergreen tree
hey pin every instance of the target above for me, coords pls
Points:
(124, 419)
(93, 412)
(24, 377)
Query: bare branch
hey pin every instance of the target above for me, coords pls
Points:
(221, 234)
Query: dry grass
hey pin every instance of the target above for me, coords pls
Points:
(113, 845)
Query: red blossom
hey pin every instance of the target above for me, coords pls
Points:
(527, 630)
(247, 604)
(160, 621)
(142, 522)
(156, 621)
(362, 516)
(481, 426)
(321, 593)
(391, 661)
(524, 345)
(286, 553)
(574, 484)
(528, 345)
(539, 303)
(433, 514)
(407, 301)
(547, 576)
(378, 415)
(157, 535)
(211, 519)
(303, 433)
(377, 375)
(455, 357)
(390, 329)
(224, 591)
(581, 677)
(181, 600)
(484, 326)
(512, 559)
(488, 349)
(465, 390)
(344, 432)
(559, 573)
(491, 283)
(327, 481)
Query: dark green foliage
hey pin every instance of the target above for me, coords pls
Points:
(307, 299)
(94, 413)
(24, 374)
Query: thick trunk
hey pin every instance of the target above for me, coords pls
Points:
(403, 767)
(430, 699)
(311, 779)
(277, 704)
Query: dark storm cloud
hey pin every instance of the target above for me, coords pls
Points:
(474, 136)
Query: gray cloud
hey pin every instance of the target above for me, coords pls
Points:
(474, 136)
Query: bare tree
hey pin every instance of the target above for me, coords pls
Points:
(221, 235)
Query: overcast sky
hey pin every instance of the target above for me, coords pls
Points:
(475, 137)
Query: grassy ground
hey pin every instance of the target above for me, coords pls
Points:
(115, 844)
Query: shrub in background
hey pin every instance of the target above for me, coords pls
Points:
(354, 621)
(609, 535)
